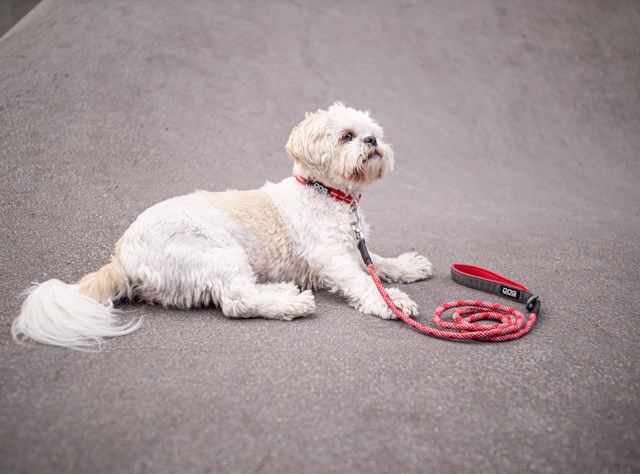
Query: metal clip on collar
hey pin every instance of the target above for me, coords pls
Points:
(355, 223)
(357, 230)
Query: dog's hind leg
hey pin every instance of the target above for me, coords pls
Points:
(234, 288)
(192, 277)
(241, 297)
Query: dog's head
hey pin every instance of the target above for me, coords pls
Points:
(341, 147)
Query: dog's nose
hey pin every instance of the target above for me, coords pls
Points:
(371, 140)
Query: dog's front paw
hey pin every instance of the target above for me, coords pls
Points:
(403, 302)
(379, 308)
(413, 267)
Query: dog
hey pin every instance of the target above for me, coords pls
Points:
(255, 253)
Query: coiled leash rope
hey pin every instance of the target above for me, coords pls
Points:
(513, 323)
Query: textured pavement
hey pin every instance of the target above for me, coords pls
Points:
(516, 127)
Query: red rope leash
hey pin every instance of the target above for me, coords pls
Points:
(513, 323)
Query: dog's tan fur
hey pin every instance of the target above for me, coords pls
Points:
(108, 281)
(255, 213)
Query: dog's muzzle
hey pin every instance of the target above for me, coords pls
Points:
(372, 153)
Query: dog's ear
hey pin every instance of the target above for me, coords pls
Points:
(304, 141)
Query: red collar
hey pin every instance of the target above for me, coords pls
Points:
(331, 192)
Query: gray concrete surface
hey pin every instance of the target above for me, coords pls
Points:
(516, 126)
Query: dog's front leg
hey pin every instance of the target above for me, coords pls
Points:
(343, 274)
(406, 268)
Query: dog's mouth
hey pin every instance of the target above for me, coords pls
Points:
(373, 155)
(369, 168)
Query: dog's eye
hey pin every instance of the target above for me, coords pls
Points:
(347, 137)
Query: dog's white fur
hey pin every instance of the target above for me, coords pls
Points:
(247, 252)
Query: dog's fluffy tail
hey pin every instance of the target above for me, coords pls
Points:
(76, 316)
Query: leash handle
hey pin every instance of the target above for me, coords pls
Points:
(486, 280)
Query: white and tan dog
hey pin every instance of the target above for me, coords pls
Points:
(248, 252)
